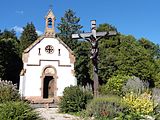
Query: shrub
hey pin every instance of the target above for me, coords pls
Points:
(110, 107)
(17, 111)
(157, 80)
(156, 95)
(105, 107)
(8, 92)
(114, 85)
(142, 104)
(135, 85)
(74, 99)
(156, 98)
(157, 112)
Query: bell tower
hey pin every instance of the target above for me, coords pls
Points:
(50, 19)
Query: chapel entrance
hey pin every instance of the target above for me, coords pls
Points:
(48, 87)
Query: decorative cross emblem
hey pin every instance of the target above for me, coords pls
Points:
(49, 49)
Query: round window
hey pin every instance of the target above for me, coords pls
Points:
(49, 49)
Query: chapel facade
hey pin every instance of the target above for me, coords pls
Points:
(48, 66)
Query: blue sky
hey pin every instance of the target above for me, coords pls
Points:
(140, 18)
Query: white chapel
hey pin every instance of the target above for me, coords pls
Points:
(48, 66)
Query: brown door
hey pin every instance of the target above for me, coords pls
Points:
(51, 89)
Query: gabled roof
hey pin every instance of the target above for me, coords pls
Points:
(50, 13)
(40, 39)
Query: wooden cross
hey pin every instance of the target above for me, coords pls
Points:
(93, 37)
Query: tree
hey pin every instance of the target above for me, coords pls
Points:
(126, 56)
(151, 47)
(106, 27)
(4, 37)
(69, 25)
(28, 36)
(8, 34)
(10, 62)
(83, 64)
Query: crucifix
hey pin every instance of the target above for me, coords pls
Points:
(93, 37)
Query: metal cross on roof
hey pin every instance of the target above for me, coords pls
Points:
(93, 37)
(51, 5)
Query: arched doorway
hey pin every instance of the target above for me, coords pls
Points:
(49, 80)
(48, 87)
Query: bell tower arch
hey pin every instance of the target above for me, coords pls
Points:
(50, 21)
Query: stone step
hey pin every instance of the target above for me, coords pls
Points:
(43, 101)
(44, 105)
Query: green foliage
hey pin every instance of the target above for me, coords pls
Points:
(105, 107)
(141, 104)
(8, 92)
(74, 99)
(17, 111)
(157, 80)
(106, 27)
(6, 34)
(83, 64)
(157, 112)
(69, 25)
(125, 55)
(28, 36)
(10, 62)
(120, 54)
(114, 85)
(114, 107)
(152, 48)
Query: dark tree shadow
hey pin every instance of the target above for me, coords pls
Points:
(14, 68)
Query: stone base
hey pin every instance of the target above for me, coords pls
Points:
(40, 100)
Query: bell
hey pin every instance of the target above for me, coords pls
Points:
(49, 23)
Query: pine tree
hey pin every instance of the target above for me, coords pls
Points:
(69, 25)
(10, 62)
(28, 36)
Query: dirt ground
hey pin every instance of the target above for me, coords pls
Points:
(53, 114)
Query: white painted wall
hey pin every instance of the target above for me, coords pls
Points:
(31, 85)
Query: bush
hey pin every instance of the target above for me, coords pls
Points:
(134, 84)
(156, 98)
(157, 112)
(157, 80)
(74, 99)
(156, 95)
(8, 92)
(114, 85)
(105, 107)
(17, 111)
(142, 104)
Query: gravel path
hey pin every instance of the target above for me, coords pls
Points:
(52, 114)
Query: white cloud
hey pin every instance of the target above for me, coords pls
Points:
(39, 32)
(18, 29)
(21, 12)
